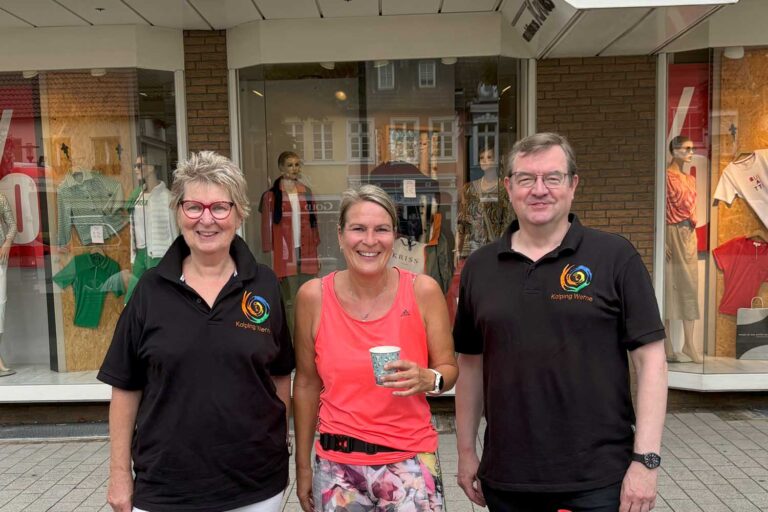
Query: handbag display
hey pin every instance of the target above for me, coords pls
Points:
(752, 331)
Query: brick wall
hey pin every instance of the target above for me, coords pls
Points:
(205, 68)
(606, 108)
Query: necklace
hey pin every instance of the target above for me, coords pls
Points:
(376, 298)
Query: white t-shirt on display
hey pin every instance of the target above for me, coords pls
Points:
(747, 179)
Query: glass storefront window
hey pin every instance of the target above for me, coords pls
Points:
(716, 242)
(86, 156)
(429, 131)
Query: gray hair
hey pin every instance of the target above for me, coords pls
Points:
(541, 142)
(370, 193)
(211, 168)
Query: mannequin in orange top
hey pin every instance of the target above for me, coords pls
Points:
(289, 229)
(681, 300)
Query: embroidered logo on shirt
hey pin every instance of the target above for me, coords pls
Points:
(755, 182)
(574, 279)
(255, 308)
(405, 313)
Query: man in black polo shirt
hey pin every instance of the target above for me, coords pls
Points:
(545, 319)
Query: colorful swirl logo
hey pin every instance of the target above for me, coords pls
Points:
(255, 308)
(574, 279)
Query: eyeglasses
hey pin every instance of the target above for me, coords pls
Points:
(687, 149)
(220, 210)
(553, 179)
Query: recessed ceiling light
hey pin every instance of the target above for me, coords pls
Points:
(32, 73)
(341, 95)
(98, 72)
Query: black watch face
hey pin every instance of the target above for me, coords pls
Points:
(651, 460)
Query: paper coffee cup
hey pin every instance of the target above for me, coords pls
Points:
(381, 356)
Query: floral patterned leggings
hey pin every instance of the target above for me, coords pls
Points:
(412, 485)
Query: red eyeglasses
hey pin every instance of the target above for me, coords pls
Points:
(220, 210)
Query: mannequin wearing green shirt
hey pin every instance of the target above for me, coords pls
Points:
(153, 224)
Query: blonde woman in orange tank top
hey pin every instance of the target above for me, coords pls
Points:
(377, 445)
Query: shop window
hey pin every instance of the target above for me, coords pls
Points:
(322, 143)
(359, 140)
(420, 145)
(427, 74)
(80, 196)
(715, 232)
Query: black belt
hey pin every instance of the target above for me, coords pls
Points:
(346, 444)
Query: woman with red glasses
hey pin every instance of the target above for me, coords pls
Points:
(200, 364)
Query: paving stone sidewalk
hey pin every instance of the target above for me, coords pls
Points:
(711, 462)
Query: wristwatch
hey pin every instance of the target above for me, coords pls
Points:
(650, 460)
(439, 382)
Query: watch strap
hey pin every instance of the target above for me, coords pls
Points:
(438, 387)
(650, 460)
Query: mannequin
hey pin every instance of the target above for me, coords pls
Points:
(484, 211)
(681, 267)
(289, 229)
(7, 234)
(153, 223)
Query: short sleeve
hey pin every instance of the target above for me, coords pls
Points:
(285, 362)
(726, 190)
(465, 336)
(725, 255)
(66, 276)
(116, 284)
(122, 366)
(640, 312)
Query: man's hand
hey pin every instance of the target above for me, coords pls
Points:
(120, 491)
(467, 478)
(304, 489)
(638, 490)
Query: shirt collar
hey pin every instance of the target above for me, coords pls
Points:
(570, 242)
(170, 266)
(70, 181)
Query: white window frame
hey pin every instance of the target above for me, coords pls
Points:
(371, 140)
(429, 70)
(399, 123)
(452, 134)
(325, 154)
(295, 129)
(382, 85)
(488, 119)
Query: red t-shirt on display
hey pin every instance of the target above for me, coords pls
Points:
(744, 263)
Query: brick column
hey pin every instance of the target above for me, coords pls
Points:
(606, 108)
(205, 70)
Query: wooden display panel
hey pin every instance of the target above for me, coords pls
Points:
(89, 123)
(743, 88)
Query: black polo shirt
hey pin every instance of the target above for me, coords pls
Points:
(210, 431)
(554, 335)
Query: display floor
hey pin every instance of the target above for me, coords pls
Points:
(722, 365)
(38, 383)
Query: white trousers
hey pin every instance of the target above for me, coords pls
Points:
(3, 294)
(270, 505)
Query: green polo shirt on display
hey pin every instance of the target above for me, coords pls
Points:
(92, 276)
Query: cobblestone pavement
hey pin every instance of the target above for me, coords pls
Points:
(711, 462)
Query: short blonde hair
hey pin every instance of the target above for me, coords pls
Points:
(370, 193)
(211, 168)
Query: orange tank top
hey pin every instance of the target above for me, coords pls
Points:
(351, 403)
